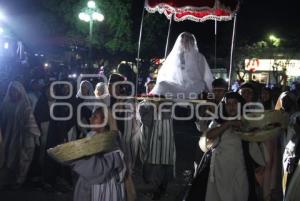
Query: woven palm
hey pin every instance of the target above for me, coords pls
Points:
(84, 147)
(262, 129)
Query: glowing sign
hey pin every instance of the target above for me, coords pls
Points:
(292, 66)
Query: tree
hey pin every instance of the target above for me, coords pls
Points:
(117, 34)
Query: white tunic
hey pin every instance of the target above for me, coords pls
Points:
(228, 179)
(130, 134)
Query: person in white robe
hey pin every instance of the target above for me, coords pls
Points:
(20, 135)
(185, 70)
(230, 177)
(85, 95)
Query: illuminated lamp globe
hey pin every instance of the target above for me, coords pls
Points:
(98, 16)
(91, 4)
(84, 17)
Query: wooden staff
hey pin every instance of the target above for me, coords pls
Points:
(159, 99)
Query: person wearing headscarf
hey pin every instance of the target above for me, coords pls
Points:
(102, 93)
(53, 133)
(228, 173)
(20, 135)
(85, 90)
(85, 95)
(185, 71)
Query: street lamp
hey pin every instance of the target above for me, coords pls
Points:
(274, 40)
(91, 14)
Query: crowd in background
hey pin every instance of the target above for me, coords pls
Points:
(28, 130)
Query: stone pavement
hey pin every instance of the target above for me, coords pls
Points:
(174, 192)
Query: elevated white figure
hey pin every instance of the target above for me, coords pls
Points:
(185, 70)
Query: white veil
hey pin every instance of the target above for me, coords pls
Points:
(102, 88)
(185, 70)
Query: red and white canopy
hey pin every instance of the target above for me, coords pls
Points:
(195, 10)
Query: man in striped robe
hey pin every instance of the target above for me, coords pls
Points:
(158, 153)
(124, 112)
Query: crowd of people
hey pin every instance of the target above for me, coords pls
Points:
(227, 168)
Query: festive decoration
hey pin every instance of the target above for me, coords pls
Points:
(195, 10)
(198, 11)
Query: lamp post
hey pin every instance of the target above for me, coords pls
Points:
(90, 14)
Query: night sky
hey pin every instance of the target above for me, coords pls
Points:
(256, 19)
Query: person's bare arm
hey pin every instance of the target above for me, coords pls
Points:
(213, 133)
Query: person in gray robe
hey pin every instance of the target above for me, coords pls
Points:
(101, 176)
(20, 135)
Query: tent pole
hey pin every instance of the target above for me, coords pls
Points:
(168, 37)
(216, 29)
(138, 59)
(231, 53)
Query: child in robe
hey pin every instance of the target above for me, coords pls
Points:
(101, 176)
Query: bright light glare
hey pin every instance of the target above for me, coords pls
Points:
(91, 4)
(46, 65)
(1, 30)
(97, 16)
(6, 45)
(84, 17)
(74, 75)
(2, 16)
